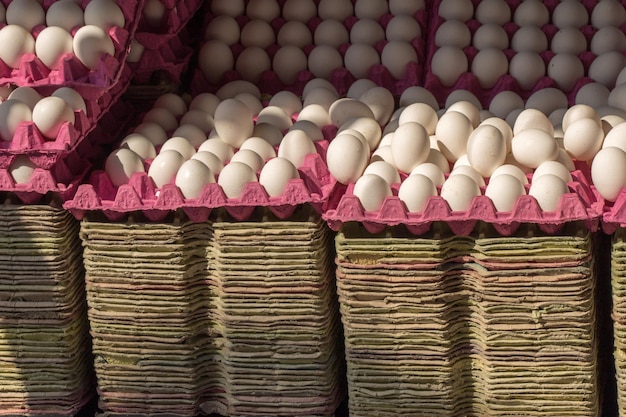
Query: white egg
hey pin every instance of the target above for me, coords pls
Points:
(234, 178)
(347, 158)
(470, 172)
(415, 191)
(250, 158)
(371, 190)
(12, 113)
(217, 147)
(553, 168)
(234, 122)
(432, 171)
(295, 146)
(51, 44)
(513, 170)
(22, 169)
(153, 131)
(16, 42)
(486, 149)
(527, 68)
(532, 146)
(191, 178)
(50, 114)
(181, 145)
(459, 192)
(420, 113)
(90, 44)
(211, 160)
(410, 146)
(139, 144)
(276, 174)
(607, 172)
(504, 190)
(583, 139)
(121, 164)
(452, 133)
(385, 170)
(548, 190)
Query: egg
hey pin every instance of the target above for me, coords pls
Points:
(432, 171)
(346, 158)
(580, 111)
(344, 109)
(233, 122)
(217, 147)
(448, 63)
(548, 190)
(90, 43)
(532, 146)
(531, 12)
(269, 132)
(532, 119)
(459, 192)
(547, 100)
(267, 10)
(295, 146)
(380, 101)
(71, 97)
(162, 117)
(454, 33)
(234, 178)
(415, 191)
(470, 105)
(164, 167)
(607, 39)
(121, 164)
(607, 172)
(403, 7)
(16, 42)
(367, 126)
(583, 139)
(192, 177)
(50, 114)
(296, 34)
(179, 144)
(527, 68)
(210, 160)
(383, 153)
(403, 28)
(335, 9)
(250, 158)
(570, 14)
(26, 95)
(288, 62)
(529, 39)
(104, 14)
(276, 174)
(568, 40)
(504, 102)
(553, 168)
(462, 10)
(367, 31)
(214, 69)
(360, 58)
(223, 28)
(25, 13)
(420, 113)
(258, 33)
(310, 128)
(410, 146)
(299, 10)
(493, 11)
(370, 9)
(486, 149)
(371, 190)
(468, 170)
(260, 146)
(323, 60)
(510, 169)
(286, 100)
(605, 68)
(232, 8)
(318, 83)
(565, 70)
(489, 66)
(153, 131)
(503, 127)
(22, 169)
(452, 133)
(608, 13)
(66, 14)
(504, 191)
(397, 56)
(490, 36)
(384, 170)
(252, 63)
(139, 144)
(51, 44)
(153, 12)
(192, 133)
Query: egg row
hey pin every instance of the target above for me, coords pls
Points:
(536, 13)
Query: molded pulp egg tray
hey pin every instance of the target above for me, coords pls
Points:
(71, 72)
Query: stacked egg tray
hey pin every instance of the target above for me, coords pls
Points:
(222, 326)
(45, 349)
(449, 325)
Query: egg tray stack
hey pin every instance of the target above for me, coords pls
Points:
(450, 325)
(287, 63)
(282, 353)
(477, 65)
(45, 350)
(152, 310)
(165, 46)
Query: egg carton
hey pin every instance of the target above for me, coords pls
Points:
(60, 173)
(71, 72)
(582, 204)
(316, 187)
(176, 15)
(614, 215)
(341, 78)
(468, 81)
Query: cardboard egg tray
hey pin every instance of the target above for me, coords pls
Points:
(618, 315)
(582, 203)
(341, 78)
(71, 71)
(467, 81)
(63, 163)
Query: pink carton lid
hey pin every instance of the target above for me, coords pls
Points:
(614, 215)
(71, 72)
(467, 81)
(582, 203)
(315, 187)
(341, 78)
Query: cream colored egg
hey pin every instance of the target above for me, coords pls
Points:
(252, 63)
(251, 102)
(25, 13)
(432, 171)
(295, 146)
(51, 44)
(316, 114)
(276, 116)
(453, 33)
(286, 100)
(22, 169)
(211, 160)
(370, 9)
(565, 70)
(489, 66)
(529, 39)
(288, 62)
(410, 146)
(153, 131)
(490, 36)
(26, 95)
(50, 114)
(486, 149)
(570, 14)
(415, 191)
(548, 190)
(568, 40)
(300, 10)
(547, 100)
(104, 14)
(294, 33)
(192, 177)
(250, 158)
(468, 170)
(504, 102)
(335, 9)
(16, 42)
(180, 145)
(384, 170)
(121, 164)
(418, 94)
(360, 58)
(367, 126)
(257, 33)
(616, 98)
(606, 67)
(448, 63)
(90, 43)
(532, 119)
(66, 14)
(579, 111)
(318, 83)
(397, 56)
(71, 97)
(371, 190)
(607, 172)
(310, 128)
(383, 153)
(381, 102)
(367, 31)
(323, 60)
(206, 102)
(459, 192)
(608, 13)
(527, 68)
(346, 158)
(607, 39)
(192, 133)
(452, 132)
(214, 69)
(162, 117)
(223, 28)
(232, 8)
(260, 146)
(200, 119)
(462, 10)
(233, 122)
(513, 170)
(267, 10)
(468, 108)
(504, 191)
(503, 127)
(172, 102)
(359, 87)
(462, 94)
(217, 147)
(139, 144)
(276, 174)
(531, 12)
(403, 28)
(583, 139)
(554, 168)
(345, 109)
(532, 146)
(234, 178)
(493, 11)
(420, 113)
(320, 96)
(232, 88)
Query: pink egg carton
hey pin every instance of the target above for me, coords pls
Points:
(614, 215)
(315, 187)
(71, 72)
(177, 14)
(61, 173)
(341, 78)
(168, 55)
(582, 203)
(468, 81)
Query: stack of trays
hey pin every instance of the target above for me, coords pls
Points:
(149, 307)
(451, 325)
(618, 283)
(278, 316)
(45, 355)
